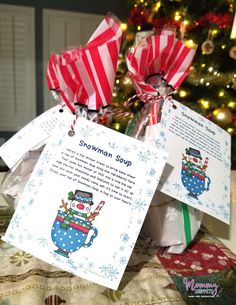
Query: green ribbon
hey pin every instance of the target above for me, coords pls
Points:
(187, 225)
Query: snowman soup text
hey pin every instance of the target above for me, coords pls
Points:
(105, 153)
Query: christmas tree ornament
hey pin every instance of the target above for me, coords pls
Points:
(222, 116)
(207, 46)
(126, 84)
(232, 52)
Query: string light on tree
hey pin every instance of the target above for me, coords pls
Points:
(183, 93)
(205, 104)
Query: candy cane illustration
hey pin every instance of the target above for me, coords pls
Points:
(92, 216)
(205, 164)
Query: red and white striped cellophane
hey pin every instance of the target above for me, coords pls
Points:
(86, 75)
(160, 54)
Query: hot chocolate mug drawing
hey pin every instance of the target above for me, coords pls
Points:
(193, 174)
(72, 227)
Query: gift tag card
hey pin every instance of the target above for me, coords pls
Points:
(31, 135)
(86, 200)
(198, 167)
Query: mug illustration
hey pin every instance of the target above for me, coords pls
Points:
(72, 226)
(193, 173)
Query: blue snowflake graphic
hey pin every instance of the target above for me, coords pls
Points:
(11, 236)
(163, 123)
(202, 119)
(139, 204)
(40, 172)
(126, 149)
(191, 200)
(225, 214)
(91, 265)
(139, 221)
(72, 264)
(125, 237)
(86, 132)
(109, 271)
(113, 145)
(81, 265)
(46, 157)
(62, 125)
(158, 143)
(31, 185)
(213, 204)
(162, 134)
(177, 186)
(29, 236)
(226, 164)
(16, 220)
(59, 143)
(144, 156)
(149, 193)
(152, 172)
(114, 255)
(42, 241)
(31, 201)
(123, 260)
(56, 257)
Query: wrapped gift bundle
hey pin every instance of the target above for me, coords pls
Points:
(66, 163)
(158, 66)
(81, 81)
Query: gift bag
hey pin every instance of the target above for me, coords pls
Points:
(158, 66)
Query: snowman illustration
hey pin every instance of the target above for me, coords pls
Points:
(193, 173)
(73, 226)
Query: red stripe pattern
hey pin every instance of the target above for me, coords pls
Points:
(160, 54)
(86, 75)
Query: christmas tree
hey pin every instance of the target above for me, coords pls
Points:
(211, 84)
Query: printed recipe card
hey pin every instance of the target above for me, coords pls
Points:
(198, 167)
(85, 203)
(34, 133)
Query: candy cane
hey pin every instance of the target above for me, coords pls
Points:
(96, 212)
(99, 206)
(206, 163)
